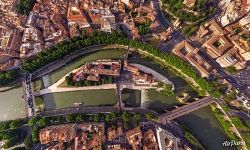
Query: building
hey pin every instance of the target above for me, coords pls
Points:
(245, 4)
(32, 34)
(226, 45)
(115, 147)
(81, 136)
(50, 17)
(76, 16)
(9, 44)
(108, 23)
(30, 49)
(103, 19)
(217, 45)
(214, 28)
(149, 140)
(92, 71)
(113, 134)
(11, 64)
(134, 138)
(77, 21)
(139, 77)
(61, 133)
(231, 58)
(166, 140)
(216, 41)
(8, 16)
(58, 146)
(89, 136)
(245, 22)
(189, 53)
(10, 40)
(189, 3)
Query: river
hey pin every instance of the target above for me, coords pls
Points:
(202, 123)
(12, 105)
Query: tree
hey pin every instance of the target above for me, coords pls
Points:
(68, 80)
(113, 116)
(68, 47)
(24, 6)
(16, 124)
(8, 134)
(231, 70)
(33, 121)
(126, 125)
(80, 117)
(149, 116)
(97, 117)
(35, 134)
(248, 123)
(107, 117)
(8, 76)
(137, 117)
(143, 29)
(216, 94)
(60, 119)
(11, 142)
(43, 122)
(160, 84)
(70, 118)
(125, 116)
(5, 125)
(28, 142)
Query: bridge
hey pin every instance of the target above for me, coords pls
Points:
(28, 95)
(186, 109)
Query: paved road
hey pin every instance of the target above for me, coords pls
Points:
(93, 110)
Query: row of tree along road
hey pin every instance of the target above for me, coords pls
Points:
(67, 47)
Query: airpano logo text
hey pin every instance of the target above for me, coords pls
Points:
(233, 143)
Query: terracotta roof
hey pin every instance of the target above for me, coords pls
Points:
(186, 51)
(215, 27)
(216, 51)
(189, 3)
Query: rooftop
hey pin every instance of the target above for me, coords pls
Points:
(186, 51)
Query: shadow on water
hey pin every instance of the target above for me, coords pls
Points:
(86, 98)
(159, 106)
(204, 125)
(49, 101)
(131, 98)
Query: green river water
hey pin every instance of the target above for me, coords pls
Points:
(202, 123)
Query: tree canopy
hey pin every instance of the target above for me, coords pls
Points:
(64, 48)
(24, 6)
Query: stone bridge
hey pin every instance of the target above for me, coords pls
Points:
(186, 109)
